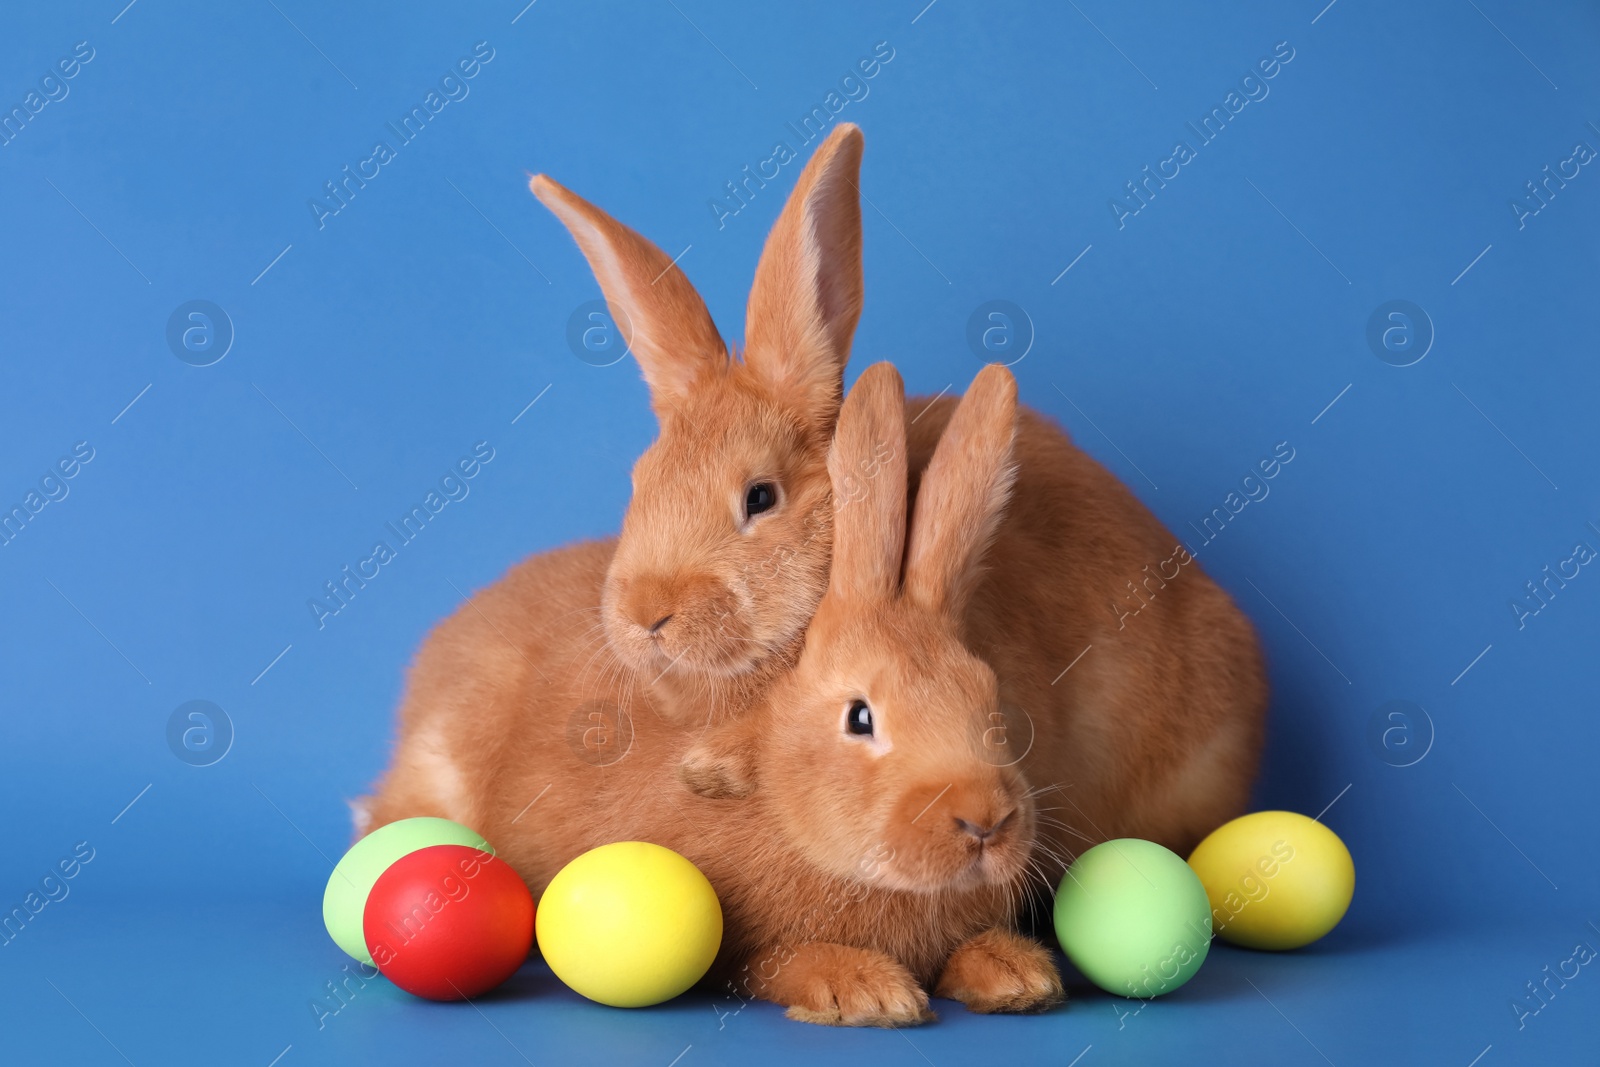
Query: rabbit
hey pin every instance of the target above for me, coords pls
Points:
(1148, 724)
(733, 627)
(878, 851)
(1141, 678)
(744, 595)
(725, 546)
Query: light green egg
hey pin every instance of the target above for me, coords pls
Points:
(345, 899)
(1134, 918)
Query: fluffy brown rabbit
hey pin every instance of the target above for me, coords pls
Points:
(881, 848)
(725, 546)
(1148, 723)
(741, 587)
(1154, 732)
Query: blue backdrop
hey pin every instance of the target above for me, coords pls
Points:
(1367, 231)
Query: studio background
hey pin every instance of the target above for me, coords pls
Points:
(1179, 343)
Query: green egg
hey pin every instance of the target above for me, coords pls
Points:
(345, 899)
(1134, 918)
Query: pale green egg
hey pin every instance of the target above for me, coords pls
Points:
(1133, 917)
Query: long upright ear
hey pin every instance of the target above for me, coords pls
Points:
(660, 314)
(806, 298)
(867, 464)
(963, 495)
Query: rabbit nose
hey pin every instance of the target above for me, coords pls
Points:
(984, 833)
(656, 626)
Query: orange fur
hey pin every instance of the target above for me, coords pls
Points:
(859, 866)
(1154, 732)
(999, 971)
(1157, 730)
(732, 596)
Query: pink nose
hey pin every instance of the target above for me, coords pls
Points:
(649, 602)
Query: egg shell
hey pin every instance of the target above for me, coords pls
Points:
(1276, 879)
(448, 922)
(629, 924)
(344, 902)
(1132, 916)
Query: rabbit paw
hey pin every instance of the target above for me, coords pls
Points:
(1001, 971)
(719, 766)
(839, 985)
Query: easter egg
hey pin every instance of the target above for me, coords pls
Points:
(448, 922)
(629, 924)
(1133, 917)
(345, 899)
(1275, 879)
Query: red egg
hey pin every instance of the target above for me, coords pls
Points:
(448, 922)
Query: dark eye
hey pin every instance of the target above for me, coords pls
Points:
(859, 720)
(759, 497)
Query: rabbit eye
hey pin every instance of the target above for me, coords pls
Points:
(762, 496)
(859, 719)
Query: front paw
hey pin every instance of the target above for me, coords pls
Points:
(719, 766)
(708, 775)
(839, 985)
(1001, 971)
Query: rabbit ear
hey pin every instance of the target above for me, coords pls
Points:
(867, 464)
(659, 313)
(807, 292)
(963, 495)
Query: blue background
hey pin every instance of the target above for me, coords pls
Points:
(1221, 319)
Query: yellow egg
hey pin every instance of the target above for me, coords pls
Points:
(1275, 879)
(629, 924)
